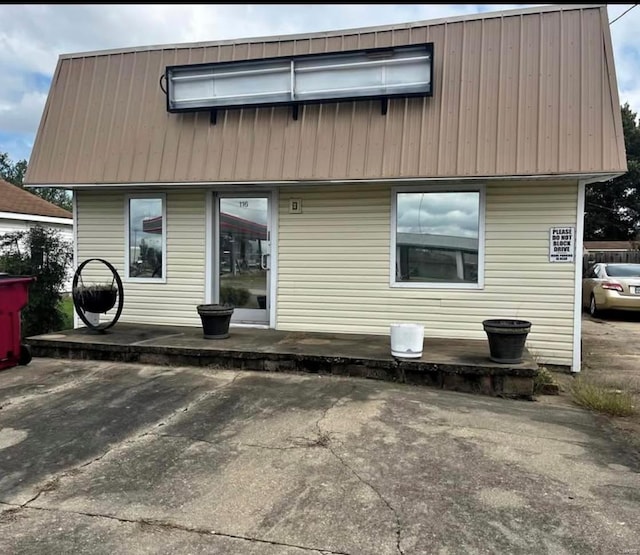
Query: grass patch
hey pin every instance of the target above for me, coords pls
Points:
(543, 381)
(66, 308)
(614, 402)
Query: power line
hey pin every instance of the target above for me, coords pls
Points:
(623, 13)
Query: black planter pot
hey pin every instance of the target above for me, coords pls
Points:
(506, 339)
(262, 301)
(215, 320)
(96, 300)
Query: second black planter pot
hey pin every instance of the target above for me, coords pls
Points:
(506, 339)
(215, 320)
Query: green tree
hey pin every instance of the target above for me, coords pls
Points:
(612, 209)
(43, 253)
(59, 197)
(14, 172)
(10, 171)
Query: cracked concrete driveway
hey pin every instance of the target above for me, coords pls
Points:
(116, 458)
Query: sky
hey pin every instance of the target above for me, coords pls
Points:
(36, 34)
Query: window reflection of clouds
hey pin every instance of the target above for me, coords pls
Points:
(141, 209)
(453, 214)
(146, 246)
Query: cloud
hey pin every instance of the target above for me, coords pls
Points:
(22, 116)
(453, 214)
(22, 99)
(141, 209)
(17, 145)
(626, 50)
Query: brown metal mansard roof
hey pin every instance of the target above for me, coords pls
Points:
(516, 93)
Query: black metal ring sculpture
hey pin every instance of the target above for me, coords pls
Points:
(101, 301)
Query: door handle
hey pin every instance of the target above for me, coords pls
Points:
(263, 262)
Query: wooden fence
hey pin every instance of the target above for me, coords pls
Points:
(631, 257)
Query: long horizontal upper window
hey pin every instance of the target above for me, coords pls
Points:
(399, 71)
(438, 239)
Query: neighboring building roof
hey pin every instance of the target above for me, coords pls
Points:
(610, 245)
(18, 201)
(521, 92)
(229, 223)
(443, 242)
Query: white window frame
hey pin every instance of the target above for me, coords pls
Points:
(479, 188)
(127, 251)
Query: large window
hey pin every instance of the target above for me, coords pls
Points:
(437, 239)
(146, 232)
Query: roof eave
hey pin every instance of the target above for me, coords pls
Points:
(586, 178)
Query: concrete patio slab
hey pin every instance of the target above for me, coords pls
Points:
(143, 459)
(454, 364)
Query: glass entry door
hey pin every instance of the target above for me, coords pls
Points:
(243, 255)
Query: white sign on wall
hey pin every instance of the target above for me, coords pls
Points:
(562, 244)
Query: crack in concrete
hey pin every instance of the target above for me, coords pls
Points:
(273, 447)
(380, 496)
(331, 407)
(187, 438)
(306, 443)
(360, 478)
(149, 431)
(41, 390)
(49, 485)
(191, 529)
(198, 400)
(506, 432)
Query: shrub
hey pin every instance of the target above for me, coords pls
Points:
(43, 253)
(236, 296)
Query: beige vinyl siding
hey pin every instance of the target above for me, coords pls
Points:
(514, 93)
(334, 264)
(101, 234)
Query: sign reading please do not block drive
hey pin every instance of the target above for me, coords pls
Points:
(562, 244)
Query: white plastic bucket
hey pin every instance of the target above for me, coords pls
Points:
(407, 340)
(93, 318)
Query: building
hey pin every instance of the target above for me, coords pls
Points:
(432, 171)
(21, 210)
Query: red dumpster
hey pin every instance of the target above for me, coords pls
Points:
(14, 296)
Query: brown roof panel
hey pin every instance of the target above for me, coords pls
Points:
(16, 200)
(520, 92)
